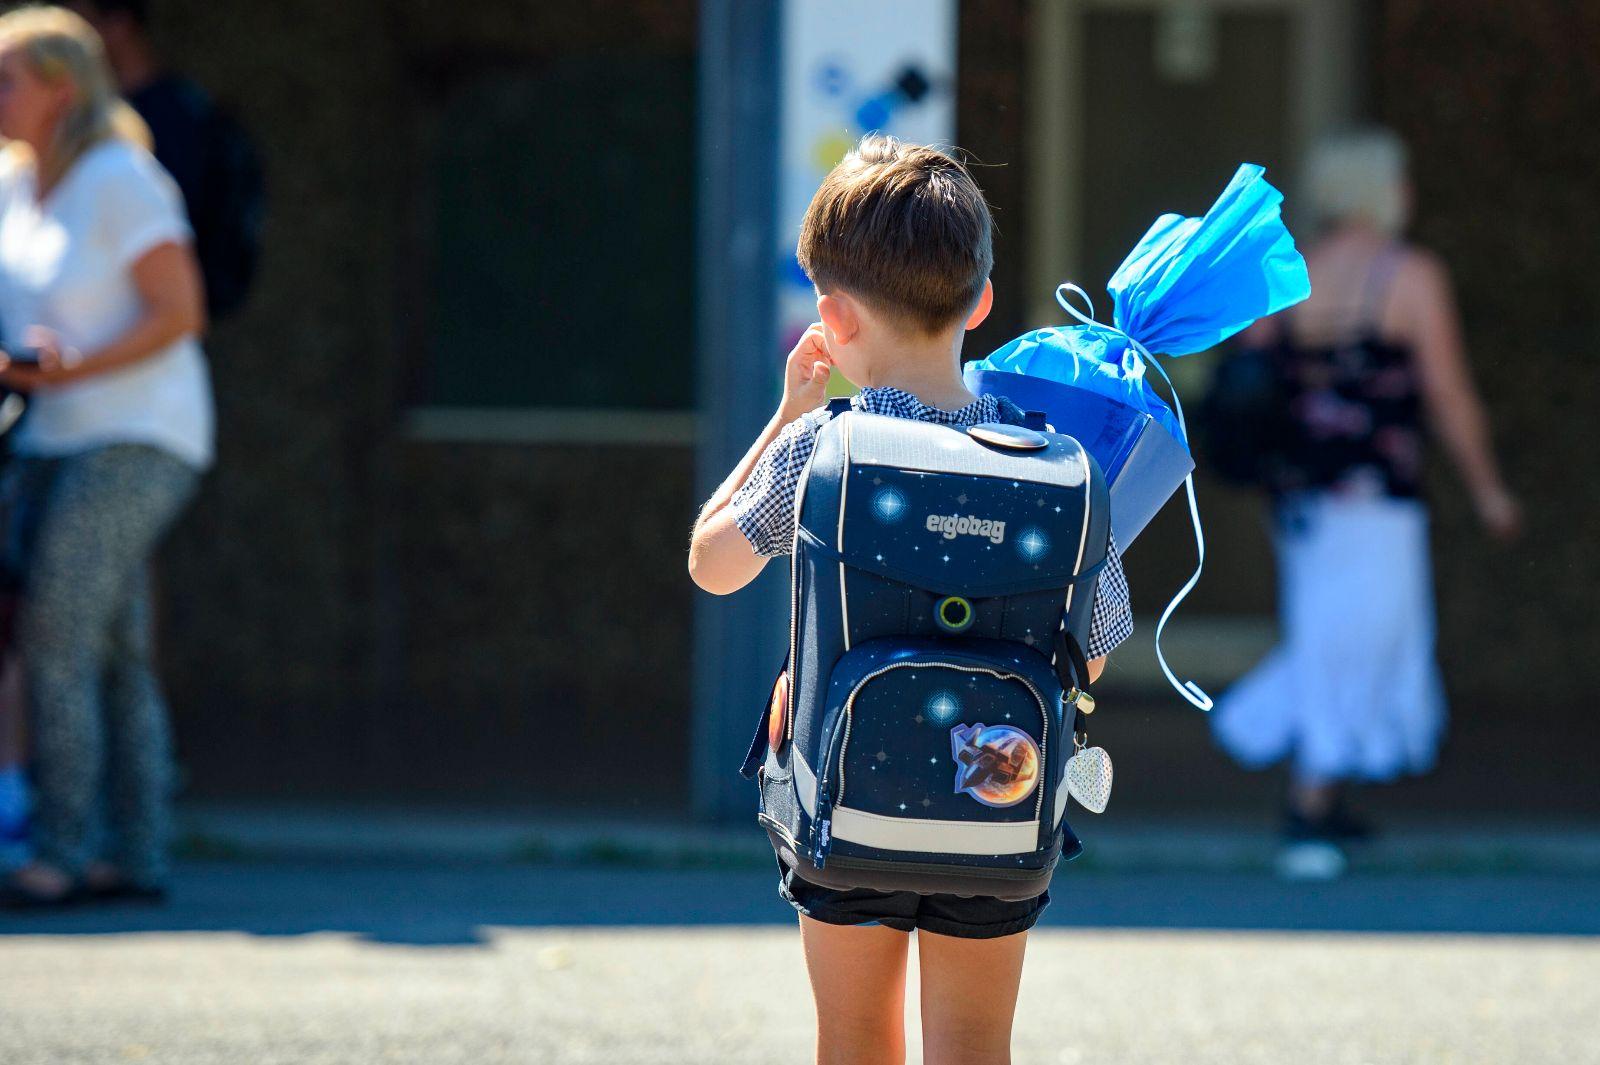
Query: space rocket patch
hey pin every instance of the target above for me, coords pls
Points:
(996, 764)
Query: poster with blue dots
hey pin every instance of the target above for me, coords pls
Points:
(849, 69)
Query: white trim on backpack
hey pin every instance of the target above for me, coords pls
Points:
(917, 834)
(934, 837)
(805, 785)
(1083, 537)
(1077, 567)
(844, 487)
(1061, 794)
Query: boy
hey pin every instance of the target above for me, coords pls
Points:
(897, 243)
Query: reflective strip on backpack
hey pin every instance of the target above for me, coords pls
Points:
(934, 837)
(915, 834)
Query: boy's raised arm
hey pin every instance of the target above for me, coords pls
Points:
(721, 559)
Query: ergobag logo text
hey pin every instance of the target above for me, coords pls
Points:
(953, 525)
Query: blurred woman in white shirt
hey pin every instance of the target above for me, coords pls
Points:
(98, 283)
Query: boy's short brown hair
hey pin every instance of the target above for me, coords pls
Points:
(902, 227)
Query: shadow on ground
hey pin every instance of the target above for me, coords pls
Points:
(420, 904)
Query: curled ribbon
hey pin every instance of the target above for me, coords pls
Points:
(1186, 688)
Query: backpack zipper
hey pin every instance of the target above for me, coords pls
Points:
(822, 827)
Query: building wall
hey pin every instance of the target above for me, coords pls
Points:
(265, 588)
(1497, 102)
(351, 611)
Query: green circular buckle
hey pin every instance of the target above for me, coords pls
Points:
(954, 614)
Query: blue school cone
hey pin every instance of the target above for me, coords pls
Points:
(1189, 284)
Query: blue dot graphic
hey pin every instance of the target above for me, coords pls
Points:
(889, 505)
(1033, 544)
(874, 112)
(832, 78)
(943, 707)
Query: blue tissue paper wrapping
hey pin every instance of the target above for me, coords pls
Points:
(1189, 284)
(1092, 358)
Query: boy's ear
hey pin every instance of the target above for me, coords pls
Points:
(985, 305)
(840, 317)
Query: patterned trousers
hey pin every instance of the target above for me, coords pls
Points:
(81, 530)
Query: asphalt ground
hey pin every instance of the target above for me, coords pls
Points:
(422, 962)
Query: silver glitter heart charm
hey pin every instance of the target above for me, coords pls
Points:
(1089, 778)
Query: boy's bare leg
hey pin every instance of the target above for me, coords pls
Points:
(858, 977)
(969, 997)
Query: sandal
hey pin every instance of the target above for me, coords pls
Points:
(14, 896)
(124, 890)
(105, 882)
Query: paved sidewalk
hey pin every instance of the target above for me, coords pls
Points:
(280, 963)
(1115, 844)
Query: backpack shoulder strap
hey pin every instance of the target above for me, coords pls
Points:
(1072, 668)
(838, 405)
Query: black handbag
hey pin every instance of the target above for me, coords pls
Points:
(1243, 419)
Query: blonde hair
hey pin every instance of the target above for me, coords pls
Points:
(60, 46)
(1358, 176)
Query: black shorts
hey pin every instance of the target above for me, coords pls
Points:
(969, 917)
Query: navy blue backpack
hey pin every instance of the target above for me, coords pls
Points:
(942, 584)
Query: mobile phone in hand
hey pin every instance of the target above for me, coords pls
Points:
(23, 356)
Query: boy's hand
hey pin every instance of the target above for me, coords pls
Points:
(805, 375)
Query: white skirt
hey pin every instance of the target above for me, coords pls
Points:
(1353, 691)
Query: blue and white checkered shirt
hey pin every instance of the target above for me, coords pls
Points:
(763, 507)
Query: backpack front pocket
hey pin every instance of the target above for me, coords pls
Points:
(937, 751)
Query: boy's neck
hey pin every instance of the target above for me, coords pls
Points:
(928, 369)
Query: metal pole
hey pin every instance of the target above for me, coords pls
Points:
(739, 639)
